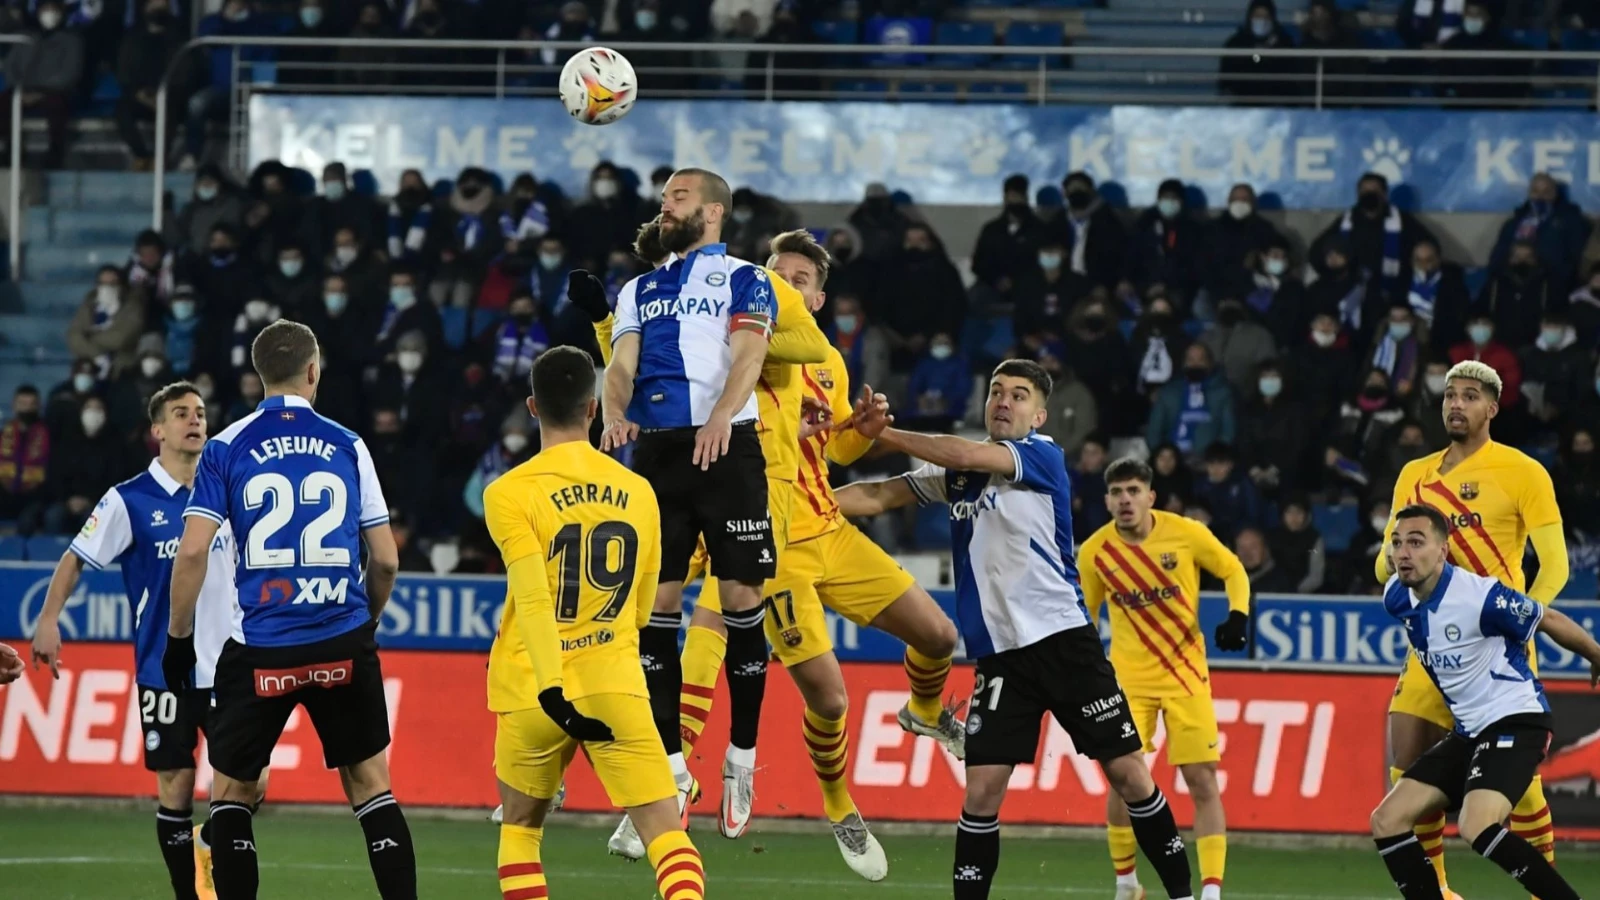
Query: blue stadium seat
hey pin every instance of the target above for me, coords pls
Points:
(861, 86)
(963, 34)
(1565, 97)
(443, 188)
(1031, 34)
(13, 548)
(1381, 39)
(47, 547)
(928, 90)
(303, 183)
(454, 321)
(996, 91)
(364, 183)
(1531, 38)
(835, 32)
(1579, 39)
(1338, 524)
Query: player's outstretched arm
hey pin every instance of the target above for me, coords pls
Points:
(1571, 636)
(869, 498)
(872, 420)
(47, 632)
(589, 295)
(618, 392)
(383, 566)
(1212, 556)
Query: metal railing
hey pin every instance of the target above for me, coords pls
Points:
(14, 189)
(501, 69)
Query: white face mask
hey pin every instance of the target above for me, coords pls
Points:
(1324, 338)
(1379, 523)
(402, 296)
(410, 361)
(1276, 267)
(49, 19)
(150, 366)
(345, 255)
(257, 310)
(107, 294)
(1435, 383)
(605, 188)
(93, 420)
(1240, 209)
(941, 351)
(514, 443)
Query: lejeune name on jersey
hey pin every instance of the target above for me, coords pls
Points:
(1471, 637)
(1011, 542)
(285, 447)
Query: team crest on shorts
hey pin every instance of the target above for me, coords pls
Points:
(791, 637)
(825, 378)
(974, 723)
(152, 740)
(1169, 561)
(1469, 490)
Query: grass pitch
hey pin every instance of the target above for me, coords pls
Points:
(109, 853)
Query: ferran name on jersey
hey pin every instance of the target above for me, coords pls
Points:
(572, 495)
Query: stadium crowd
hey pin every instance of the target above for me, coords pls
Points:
(1257, 380)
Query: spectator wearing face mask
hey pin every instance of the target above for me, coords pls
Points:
(1239, 345)
(365, 272)
(339, 207)
(1485, 80)
(275, 217)
(863, 345)
(1008, 243)
(191, 341)
(1555, 372)
(1427, 24)
(47, 71)
(607, 218)
(24, 460)
(88, 459)
(1258, 80)
(1195, 411)
(224, 278)
(1436, 291)
(403, 468)
(478, 403)
(1425, 402)
(1398, 348)
(1518, 294)
(922, 296)
(411, 386)
(1577, 479)
(1238, 235)
(753, 220)
(548, 279)
(1071, 412)
(879, 225)
(309, 65)
(1553, 225)
(1266, 576)
(575, 24)
(1095, 242)
(66, 399)
(1364, 421)
(526, 218)
(1043, 293)
(1167, 245)
(406, 313)
(1099, 354)
(257, 314)
(1323, 370)
(107, 325)
(471, 227)
(795, 72)
(1380, 236)
(940, 384)
(519, 341)
(1173, 482)
(213, 97)
(1485, 345)
(1342, 291)
(215, 202)
(1273, 437)
(145, 54)
(514, 447)
(1230, 495)
(292, 285)
(411, 236)
(1353, 572)
(151, 268)
(1297, 546)
(850, 274)
(1274, 295)
(1324, 29)
(127, 395)
(343, 332)
(1404, 442)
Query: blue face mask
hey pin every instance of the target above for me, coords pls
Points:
(333, 190)
(550, 261)
(290, 267)
(335, 302)
(1168, 207)
(645, 19)
(183, 310)
(1480, 334)
(1400, 330)
(1270, 385)
(1049, 260)
(402, 296)
(311, 16)
(1260, 27)
(1472, 26)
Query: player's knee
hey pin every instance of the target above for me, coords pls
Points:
(1202, 782)
(737, 597)
(175, 788)
(829, 704)
(983, 798)
(709, 620)
(669, 598)
(1130, 777)
(939, 641)
(1480, 811)
(1389, 819)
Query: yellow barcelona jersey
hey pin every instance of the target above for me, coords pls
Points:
(796, 339)
(595, 528)
(1153, 587)
(813, 510)
(1493, 499)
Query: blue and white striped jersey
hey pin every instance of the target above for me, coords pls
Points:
(1471, 636)
(1016, 576)
(298, 490)
(683, 313)
(136, 526)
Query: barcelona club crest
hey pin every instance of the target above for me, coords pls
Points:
(791, 637)
(1169, 561)
(1469, 490)
(825, 378)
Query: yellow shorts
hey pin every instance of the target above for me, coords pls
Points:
(842, 570)
(1191, 726)
(531, 753)
(779, 494)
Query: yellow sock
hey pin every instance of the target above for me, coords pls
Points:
(1430, 834)
(703, 650)
(521, 873)
(927, 677)
(1213, 850)
(680, 873)
(828, 744)
(1530, 820)
(1124, 849)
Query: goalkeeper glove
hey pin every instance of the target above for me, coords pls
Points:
(1233, 634)
(560, 710)
(588, 294)
(177, 663)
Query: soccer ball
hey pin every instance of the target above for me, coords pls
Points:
(598, 86)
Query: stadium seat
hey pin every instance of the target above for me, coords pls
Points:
(1580, 39)
(1530, 38)
(835, 32)
(1338, 524)
(1582, 584)
(861, 86)
(364, 183)
(47, 547)
(1031, 34)
(996, 91)
(900, 32)
(1381, 39)
(13, 548)
(928, 90)
(963, 34)
(453, 320)
(303, 183)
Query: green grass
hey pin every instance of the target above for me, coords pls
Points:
(100, 853)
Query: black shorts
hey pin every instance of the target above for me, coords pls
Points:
(1503, 758)
(1067, 675)
(727, 504)
(172, 725)
(337, 680)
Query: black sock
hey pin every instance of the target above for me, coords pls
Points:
(977, 855)
(1157, 834)
(389, 849)
(1527, 865)
(1409, 867)
(205, 827)
(746, 667)
(233, 852)
(663, 675)
(175, 831)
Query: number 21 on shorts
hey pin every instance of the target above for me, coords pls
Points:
(990, 687)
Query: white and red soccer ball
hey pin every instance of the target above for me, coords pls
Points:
(598, 86)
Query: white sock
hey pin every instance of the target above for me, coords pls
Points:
(680, 768)
(1211, 892)
(741, 757)
(1130, 880)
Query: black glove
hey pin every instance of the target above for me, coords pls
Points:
(556, 705)
(588, 294)
(177, 664)
(1233, 634)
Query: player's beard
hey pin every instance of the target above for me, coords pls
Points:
(677, 236)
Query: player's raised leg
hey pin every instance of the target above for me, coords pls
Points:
(930, 639)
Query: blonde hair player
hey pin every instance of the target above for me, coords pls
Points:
(1496, 500)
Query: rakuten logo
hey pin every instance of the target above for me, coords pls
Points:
(277, 682)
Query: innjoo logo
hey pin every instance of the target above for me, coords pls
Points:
(277, 682)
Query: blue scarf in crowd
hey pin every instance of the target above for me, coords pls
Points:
(469, 228)
(181, 343)
(406, 240)
(1423, 294)
(1449, 17)
(534, 224)
(1194, 414)
(1392, 224)
(517, 348)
